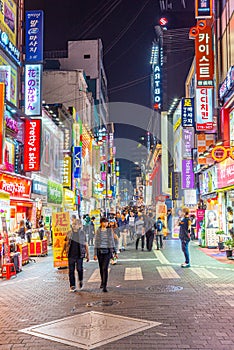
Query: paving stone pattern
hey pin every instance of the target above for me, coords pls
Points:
(192, 311)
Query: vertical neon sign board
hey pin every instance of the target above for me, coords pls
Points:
(33, 74)
(32, 145)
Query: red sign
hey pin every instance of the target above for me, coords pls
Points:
(163, 21)
(2, 94)
(32, 145)
(204, 54)
(225, 173)
(18, 187)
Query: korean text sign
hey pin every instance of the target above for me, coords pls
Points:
(60, 227)
(187, 143)
(2, 95)
(203, 8)
(32, 145)
(187, 174)
(204, 56)
(33, 74)
(34, 36)
(204, 109)
(187, 105)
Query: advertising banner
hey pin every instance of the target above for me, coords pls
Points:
(18, 187)
(225, 173)
(55, 193)
(203, 8)
(2, 95)
(187, 143)
(187, 174)
(60, 228)
(8, 19)
(200, 215)
(187, 106)
(67, 171)
(204, 141)
(77, 162)
(34, 36)
(32, 145)
(33, 75)
(176, 185)
(204, 109)
(190, 197)
(204, 56)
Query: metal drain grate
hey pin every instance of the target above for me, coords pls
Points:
(103, 303)
(164, 289)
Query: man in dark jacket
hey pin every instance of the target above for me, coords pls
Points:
(77, 250)
(184, 235)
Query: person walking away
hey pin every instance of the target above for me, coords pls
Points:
(159, 233)
(193, 226)
(169, 224)
(104, 246)
(77, 249)
(131, 224)
(91, 231)
(140, 231)
(150, 230)
(28, 225)
(123, 228)
(184, 235)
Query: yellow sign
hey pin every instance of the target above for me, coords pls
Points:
(219, 153)
(8, 19)
(60, 226)
(69, 198)
(67, 171)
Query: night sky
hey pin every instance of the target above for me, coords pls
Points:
(126, 28)
(126, 58)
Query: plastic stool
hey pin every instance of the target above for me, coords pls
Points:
(8, 270)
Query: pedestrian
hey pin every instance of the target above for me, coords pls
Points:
(159, 225)
(184, 235)
(131, 224)
(123, 228)
(150, 230)
(28, 225)
(193, 226)
(140, 231)
(169, 223)
(104, 246)
(116, 234)
(77, 249)
(22, 230)
(91, 231)
(41, 227)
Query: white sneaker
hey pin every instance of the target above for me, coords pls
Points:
(72, 289)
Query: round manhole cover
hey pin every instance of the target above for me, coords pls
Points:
(164, 289)
(101, 303)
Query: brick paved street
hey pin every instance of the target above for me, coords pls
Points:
(195, 307)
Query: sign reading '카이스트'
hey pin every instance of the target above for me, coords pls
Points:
(32, 145)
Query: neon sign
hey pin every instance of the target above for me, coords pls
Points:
(220, 153)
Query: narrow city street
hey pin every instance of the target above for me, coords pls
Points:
(152, 303)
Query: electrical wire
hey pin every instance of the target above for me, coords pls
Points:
(122, 33)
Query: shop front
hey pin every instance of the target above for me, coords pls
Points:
(19, 190)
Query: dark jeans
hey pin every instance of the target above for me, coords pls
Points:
(142, 241)
(103, 260)
(159, 241)
(149, 239)
(185, 249)
(72, 264)
(131, 232)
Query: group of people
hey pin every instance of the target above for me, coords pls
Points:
(25, 229)
(109, 240)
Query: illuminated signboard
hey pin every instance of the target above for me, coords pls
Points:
(77, 162)
(67, 171)
(34, 36)
(157, 62)
(2, 94)
(8, 19)
(187, 143)
(18, 187)
(204, 109)
(227, 86)
(33, 89)
(32, 145)
(176, 185)
(219, 153)
(187, 174)
(203, 8)
(204, 55)
(187, 105)
(7, 46)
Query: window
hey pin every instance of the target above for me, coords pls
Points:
(86, 57)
